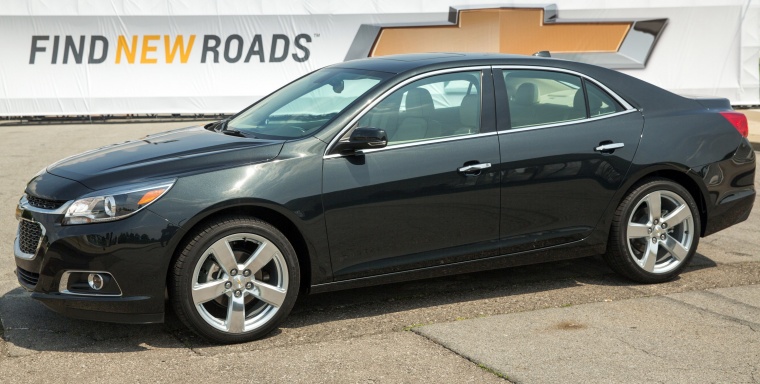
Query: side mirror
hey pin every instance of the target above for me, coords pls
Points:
(364, 138)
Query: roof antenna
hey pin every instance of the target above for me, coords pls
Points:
(542, 54)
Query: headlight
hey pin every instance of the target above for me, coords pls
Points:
(115, 203)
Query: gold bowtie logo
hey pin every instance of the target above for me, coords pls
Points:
(616, 44)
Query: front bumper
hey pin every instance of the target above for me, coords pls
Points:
(128, 310)
(135, 252)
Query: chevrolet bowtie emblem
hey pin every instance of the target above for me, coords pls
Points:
(614, 44)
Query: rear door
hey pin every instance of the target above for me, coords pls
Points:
(566, 143)
(432, 196)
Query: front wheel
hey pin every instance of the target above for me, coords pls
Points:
(236, 280)
(655, 232)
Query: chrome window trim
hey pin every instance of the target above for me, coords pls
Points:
(569, 122)
(64, 283)
(617, 98)
(385, 94)
(415, 144)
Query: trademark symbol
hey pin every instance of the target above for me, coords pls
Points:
(317, 34)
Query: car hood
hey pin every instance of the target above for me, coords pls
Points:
(163, 155)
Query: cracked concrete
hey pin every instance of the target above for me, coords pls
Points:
(704, 339)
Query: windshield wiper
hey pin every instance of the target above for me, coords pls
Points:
(221, 127)
(233, 132)
(217, 125)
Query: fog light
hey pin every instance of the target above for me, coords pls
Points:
(95, 281)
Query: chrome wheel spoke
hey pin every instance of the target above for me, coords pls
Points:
(236, 314)
(654, 204)
(650, 257)
(269, 293)
(224, 255)
(208, 291)
(668, 233)
(263, 255)
(636, 230)
(675, 248)
(231, 269)
(677, 216)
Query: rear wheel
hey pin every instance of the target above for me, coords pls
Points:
(236, 280)
(655, 232)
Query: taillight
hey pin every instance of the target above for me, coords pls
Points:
(738, 120)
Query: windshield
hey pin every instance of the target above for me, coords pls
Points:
(305, 105)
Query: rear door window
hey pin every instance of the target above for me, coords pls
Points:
(543, 97)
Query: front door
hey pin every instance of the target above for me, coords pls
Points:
(431, 196)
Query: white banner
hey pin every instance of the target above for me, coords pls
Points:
(79, 57)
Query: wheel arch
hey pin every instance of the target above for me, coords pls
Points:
(260, 211)
(682, 176)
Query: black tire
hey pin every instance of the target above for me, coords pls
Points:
(239, 313)
(674, 245)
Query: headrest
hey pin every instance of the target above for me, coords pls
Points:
(527, 94)
(419, 103)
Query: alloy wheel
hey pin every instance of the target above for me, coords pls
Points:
(239, 283)
(660, 231)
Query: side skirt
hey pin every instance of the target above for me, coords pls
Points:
(567, 251)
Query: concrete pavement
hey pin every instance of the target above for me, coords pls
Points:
(708, 336)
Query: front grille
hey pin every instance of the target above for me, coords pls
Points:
(26, 277)
(39, 202)
(29, 234)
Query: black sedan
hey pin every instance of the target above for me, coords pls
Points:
(383, 170)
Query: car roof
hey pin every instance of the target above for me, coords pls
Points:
(422, 61)
(637, 92)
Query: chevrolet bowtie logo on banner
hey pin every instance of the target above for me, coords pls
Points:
(610, 43)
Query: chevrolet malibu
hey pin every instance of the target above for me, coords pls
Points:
(384, 170)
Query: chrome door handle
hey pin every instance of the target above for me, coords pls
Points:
(474, 167)
(609, 147)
